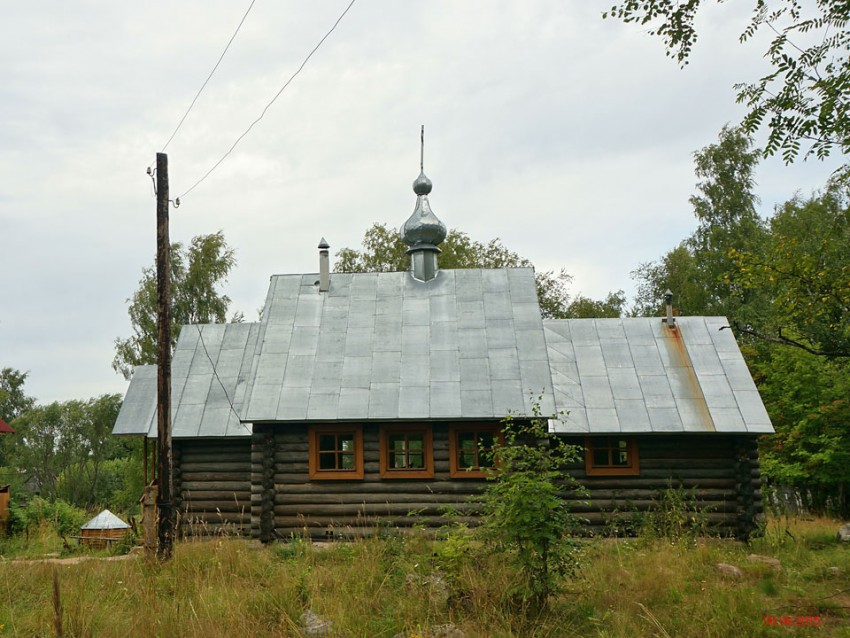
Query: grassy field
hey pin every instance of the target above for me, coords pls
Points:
(379, 587)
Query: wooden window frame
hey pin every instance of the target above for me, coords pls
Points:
(632, 469)
(388, 472)
(313, 433)
(455, 471)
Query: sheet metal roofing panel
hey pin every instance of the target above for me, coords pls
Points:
(211, 369)
(636, 375)
(138, 410)
(106, 520)
(217, 371)
(468, 344)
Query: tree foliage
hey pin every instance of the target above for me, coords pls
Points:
(13, 400)
(805, 270)
(61, 448)
(701, 271)
(807, 398)
(803, 100)
(384, 251)
(197, 272)
(611, 307)
(676, 271)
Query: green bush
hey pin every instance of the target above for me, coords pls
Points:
(62, 516)
(525, 514)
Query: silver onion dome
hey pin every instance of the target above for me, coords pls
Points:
(423, 226)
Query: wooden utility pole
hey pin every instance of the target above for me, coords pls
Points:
(167, 523)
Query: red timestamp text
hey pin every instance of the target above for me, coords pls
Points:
(792, 621)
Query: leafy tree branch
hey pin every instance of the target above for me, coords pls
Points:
(197, 272)
(805, 96)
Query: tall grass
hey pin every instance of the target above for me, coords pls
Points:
(638, 587)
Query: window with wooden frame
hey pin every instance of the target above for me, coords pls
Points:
(407, 451)
(611, 456)
(336, 451)
(471, 449)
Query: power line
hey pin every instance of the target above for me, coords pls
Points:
(220, 58)
(277, 95)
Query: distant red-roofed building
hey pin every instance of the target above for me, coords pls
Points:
(5, 428)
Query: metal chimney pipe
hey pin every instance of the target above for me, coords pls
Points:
(668, 301)
(324, 267)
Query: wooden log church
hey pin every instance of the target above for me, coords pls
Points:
(365, 400)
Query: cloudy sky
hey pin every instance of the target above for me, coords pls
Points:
(568, 136)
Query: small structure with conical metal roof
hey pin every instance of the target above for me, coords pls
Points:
(103, 530)
(423, 231)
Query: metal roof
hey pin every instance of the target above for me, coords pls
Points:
(106, 520)
(5, 428)
(636, 375)
(138, 410)
(466, 345)
(211, 369)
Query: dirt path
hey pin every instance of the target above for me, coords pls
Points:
(71, 560)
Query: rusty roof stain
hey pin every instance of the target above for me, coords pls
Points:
(636, 375)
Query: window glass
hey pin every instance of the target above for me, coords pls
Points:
(327, 442)
(473, 450)
(406, 452)
(466, 449)
(611, 455)
(335, 453)
(486, 442)
(600, 456)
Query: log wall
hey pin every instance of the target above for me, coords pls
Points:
(719, 472)
(295, 505)
(263, 485)
(212, 486)
(101, 538)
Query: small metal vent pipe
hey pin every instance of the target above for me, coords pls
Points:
(670, 320)
(324, 267)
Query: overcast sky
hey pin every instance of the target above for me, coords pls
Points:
(568, 136)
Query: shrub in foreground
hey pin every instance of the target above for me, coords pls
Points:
(525, 514)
